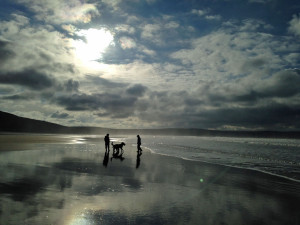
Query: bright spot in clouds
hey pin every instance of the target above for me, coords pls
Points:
(93, 44)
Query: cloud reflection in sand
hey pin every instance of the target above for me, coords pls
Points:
(63, 183)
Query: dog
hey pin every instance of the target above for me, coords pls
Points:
(117, 148)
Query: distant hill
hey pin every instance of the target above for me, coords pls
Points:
(13, 123)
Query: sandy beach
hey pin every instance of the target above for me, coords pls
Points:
(67, 180)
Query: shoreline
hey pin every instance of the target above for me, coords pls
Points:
(168, 132)
(62, 138)
(230, 166)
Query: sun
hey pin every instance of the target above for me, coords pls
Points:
(92, 44)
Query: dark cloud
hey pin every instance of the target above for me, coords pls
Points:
(18, 97)
(6, 90)
(181, 109)
(115, 105)
(193, 101)
(56, 67)
(284, 84)
(104, 82)
(272, 116)
(79, 102)
(72, 85)
(137, 90)
(59, 115)
(5, 52)
(254, 64)
(29, 78)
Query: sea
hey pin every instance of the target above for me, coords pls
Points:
(279, 157)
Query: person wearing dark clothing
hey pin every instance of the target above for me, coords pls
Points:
(106, 140)
(139, 143)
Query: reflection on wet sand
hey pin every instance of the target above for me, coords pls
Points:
(106, 158)
(63, 183)
(138, 159)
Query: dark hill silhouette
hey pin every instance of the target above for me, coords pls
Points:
(13, 123)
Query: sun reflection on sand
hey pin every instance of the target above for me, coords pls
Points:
(80, 221)
(78, 217)
(58, 183)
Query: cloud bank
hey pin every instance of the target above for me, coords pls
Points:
(168, 64)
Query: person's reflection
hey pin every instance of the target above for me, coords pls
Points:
(138, 159)
(106, 158)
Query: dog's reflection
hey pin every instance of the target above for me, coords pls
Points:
(138, 159)
(116, 155)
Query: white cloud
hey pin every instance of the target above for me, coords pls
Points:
(12, 27)
(200, 12)
(70, 28)
(204, 13)
(171, 25)
(163, 31)
(234, 52)
(124, 28)
(294, 27)
(150, 31)
(254, 25)
(58, 12)
(213, 17)
(292, 58)
(127, 43)
(146, 50)
(35, 47)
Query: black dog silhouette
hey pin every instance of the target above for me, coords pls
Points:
(117, 148)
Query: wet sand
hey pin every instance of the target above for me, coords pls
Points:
(66, 180)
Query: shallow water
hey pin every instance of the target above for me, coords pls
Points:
(276, 156)
(64, 180)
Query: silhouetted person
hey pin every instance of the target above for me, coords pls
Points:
(106, 140)
(139, 143)
(138, 159)
(106, 158)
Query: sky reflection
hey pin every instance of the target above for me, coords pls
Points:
(67, 184)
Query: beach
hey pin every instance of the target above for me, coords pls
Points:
(68, 180)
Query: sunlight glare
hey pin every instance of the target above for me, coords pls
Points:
(94, 44)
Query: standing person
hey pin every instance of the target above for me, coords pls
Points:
(139, 143)
(106, 140)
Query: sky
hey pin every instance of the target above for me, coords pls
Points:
(209, 64)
